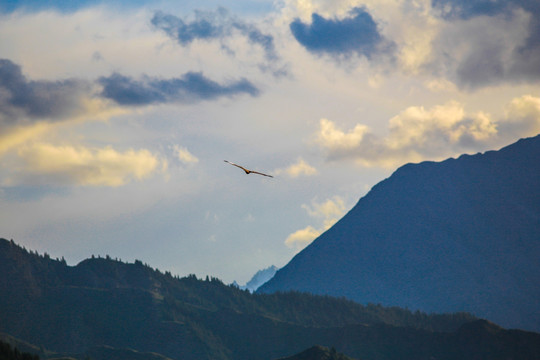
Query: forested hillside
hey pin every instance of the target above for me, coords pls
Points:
(7, 352)
(108, 304)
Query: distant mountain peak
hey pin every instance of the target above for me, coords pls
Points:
(260, 277)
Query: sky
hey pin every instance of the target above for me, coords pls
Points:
(116, 117)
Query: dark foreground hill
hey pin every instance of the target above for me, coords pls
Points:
(457, 235)
(318, 353)
(107, 309)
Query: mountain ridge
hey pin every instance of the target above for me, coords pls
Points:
(456, 235)
(107, 308)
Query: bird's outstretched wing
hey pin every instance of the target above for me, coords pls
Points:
(247, 171)
(260, 173)
(241, 167)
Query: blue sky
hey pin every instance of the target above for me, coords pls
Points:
(115, 117)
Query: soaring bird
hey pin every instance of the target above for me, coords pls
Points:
(246, 170)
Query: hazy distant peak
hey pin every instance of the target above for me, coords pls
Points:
(260, 277)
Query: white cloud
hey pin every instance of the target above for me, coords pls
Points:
(329, 211)
(303, 237)
(47, 164)
(330, 136)
(418, 133)
(424, 130)
(184, 155)
(301, 167)
(522, 117)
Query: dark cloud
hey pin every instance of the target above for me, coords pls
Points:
(357, 33)
(190, 87)
(213, 25)
(465, 9)
(23, 98)
(483, 66)
(206, 26)
(488, 63)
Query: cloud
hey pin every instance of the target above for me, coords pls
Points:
(419, 133)
(206, 26)
(63, 6)
(329, 211)
(474, 44)
(210, 25)
(357, 34)
(301, 167)
(47, 164)
(21, 134)
(424, 130)
(192, 86)
(466, 9)
(338, 141)
(184, 155)
(23, 99)
(522, 117)
(29, 109)
(219, 26)
(490, 42)
(303, 237)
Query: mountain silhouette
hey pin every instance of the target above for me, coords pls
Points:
(458, 235)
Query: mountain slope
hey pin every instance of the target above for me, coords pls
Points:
(458, 235)
(103, 308)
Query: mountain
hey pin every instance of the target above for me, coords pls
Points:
(458, 235)
(9, 353)
(107, 309)
(259, 278)
(14, 349)
(318, 353)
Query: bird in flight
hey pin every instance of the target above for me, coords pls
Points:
(246, 170)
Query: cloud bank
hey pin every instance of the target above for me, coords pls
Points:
(481, 43)
(23, 99)
(419, 133)
(46, 164)
(475, 44)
